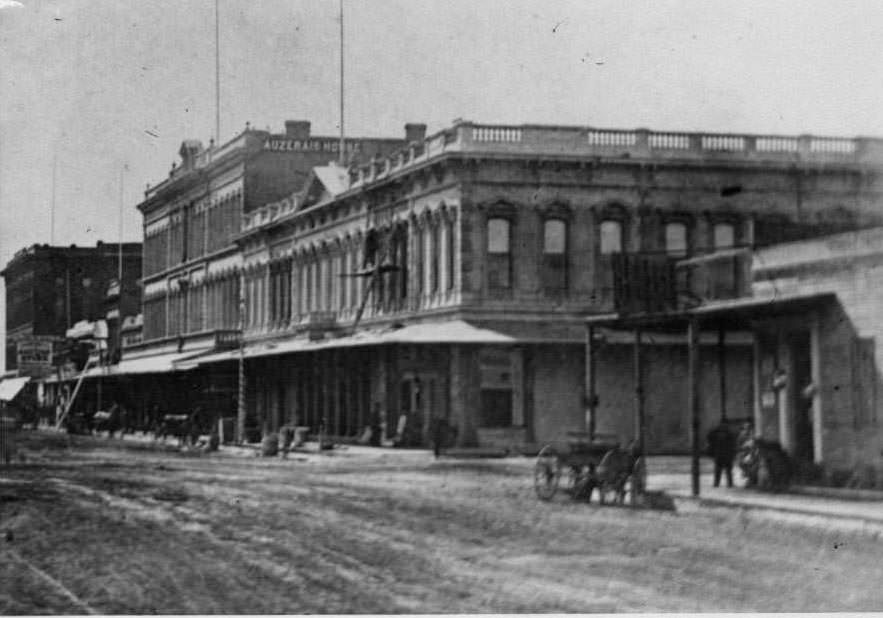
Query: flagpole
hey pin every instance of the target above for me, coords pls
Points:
(217, 73)
(341, 151)
(120, 236)
(119, 333)
(52, 207)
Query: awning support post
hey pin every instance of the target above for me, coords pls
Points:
(640, 420)
(240, 383)
(590, 377)
(640, 428)
(722, 371)
(693, 398)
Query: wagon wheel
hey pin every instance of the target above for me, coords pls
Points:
(547, 472)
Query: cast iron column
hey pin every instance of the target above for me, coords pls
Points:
(591, 395)
(240, 401)
(693, 398)
(640, 424)
(722, 371)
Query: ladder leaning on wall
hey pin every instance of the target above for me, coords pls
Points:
(70, 402)
(379, 264)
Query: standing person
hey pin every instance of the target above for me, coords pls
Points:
(439, 434)
(722, 448)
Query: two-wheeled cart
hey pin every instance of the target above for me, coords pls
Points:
(582, 464)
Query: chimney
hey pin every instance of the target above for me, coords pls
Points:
(415, 132)
(297, 129)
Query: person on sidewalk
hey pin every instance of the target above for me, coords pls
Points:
(722, 448)
(439, 434)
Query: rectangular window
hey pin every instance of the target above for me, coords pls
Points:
(611, 237)
(434, 257)
(676, 239)
(499, 255)
(554, 267)
(724, 236)
(419, 267)
(452, 253)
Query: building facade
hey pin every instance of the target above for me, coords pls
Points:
(49, 289)
(453, 278)
(192, 264)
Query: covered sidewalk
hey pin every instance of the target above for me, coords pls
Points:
(722, 316)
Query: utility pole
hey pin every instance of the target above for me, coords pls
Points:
(240, 401)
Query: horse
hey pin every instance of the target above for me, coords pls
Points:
(176, 425)
(765, 464)
(111, 421)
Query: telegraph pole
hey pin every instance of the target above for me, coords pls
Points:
(240, 401)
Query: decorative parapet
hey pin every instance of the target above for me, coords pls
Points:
(468, 137)
(563, 141)
(269, 213)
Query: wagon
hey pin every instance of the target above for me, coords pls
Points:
(580, 464)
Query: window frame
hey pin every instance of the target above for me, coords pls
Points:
(499, 257)
(670, 224)
(555, 264)
(621, 233)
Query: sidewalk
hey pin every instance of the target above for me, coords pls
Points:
(672, 475)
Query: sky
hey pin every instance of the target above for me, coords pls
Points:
(99, 94)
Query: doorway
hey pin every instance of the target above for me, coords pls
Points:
(417, 404)
(802, 394)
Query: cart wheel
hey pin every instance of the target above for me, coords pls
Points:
(547, 473)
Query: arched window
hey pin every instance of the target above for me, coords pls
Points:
(554, 268)
(451, 252)
(676, 239)
(499, 254)
(724, 236)
(435, 250)
(611, 237)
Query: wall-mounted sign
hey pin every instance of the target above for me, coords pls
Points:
(308, 145)
(34, 356)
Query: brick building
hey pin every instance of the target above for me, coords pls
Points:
(454, 277)
(49, 289)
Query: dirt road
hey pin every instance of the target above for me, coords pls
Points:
(106, 527)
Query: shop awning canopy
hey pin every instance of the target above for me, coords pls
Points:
(450, 332)
(160, 363)
(10, 387)
(732, 313)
